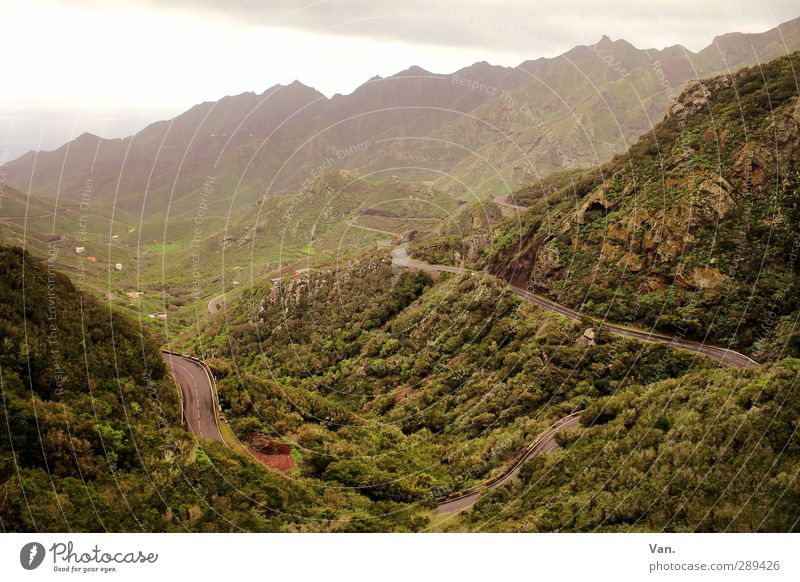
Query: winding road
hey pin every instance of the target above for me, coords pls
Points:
(199, 401)
(215, 303)
(199, 404)
(401, 257)
(543, 443)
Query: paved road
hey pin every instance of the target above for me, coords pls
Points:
(544, 443)
(722, 354)
(216, 303)
(401, 257)
(198, 395)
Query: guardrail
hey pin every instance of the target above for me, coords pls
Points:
(211, 380)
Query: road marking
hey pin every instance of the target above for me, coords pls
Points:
(181, 369)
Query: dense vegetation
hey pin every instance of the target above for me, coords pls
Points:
(706, 452)
(403, 388)
(393, 388)
(91, 437)
(694, 231)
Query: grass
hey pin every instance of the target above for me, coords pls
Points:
(163, 248)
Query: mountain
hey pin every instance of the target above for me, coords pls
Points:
(510, 123)
(409, 387)
(394, 385)
(221, 173)
(404, 387)
(251, 144)
(692, 231)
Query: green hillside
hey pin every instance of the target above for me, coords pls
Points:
(707, 453)
(406, 388)
(390, 385)
(91, 437)
(693, 231)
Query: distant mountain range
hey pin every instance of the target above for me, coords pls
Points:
(483, 129)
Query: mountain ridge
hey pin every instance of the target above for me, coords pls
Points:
(256, 115)
(481, 132)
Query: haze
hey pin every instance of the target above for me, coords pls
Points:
(121, 66)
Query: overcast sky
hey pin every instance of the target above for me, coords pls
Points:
(166, 55)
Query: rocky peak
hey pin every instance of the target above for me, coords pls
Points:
(695, 96)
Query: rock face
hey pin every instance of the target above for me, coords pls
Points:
(720, 200)
(597, 200)
(292, 289)
(707, 278)
(695, 95)
(696, 212)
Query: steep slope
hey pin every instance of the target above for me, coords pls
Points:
(735, 49)
(404, 388)
(693, 231)
(409, 390)
(592, 102)
(171, 159)
(703, 453)
(91, 437)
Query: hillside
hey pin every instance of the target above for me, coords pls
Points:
(384, 286)
(91, 437)
(693, 231)
(188, 206)
(406, 388)
(701, 453)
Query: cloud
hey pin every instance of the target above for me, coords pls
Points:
(91, 53)
(530, 28)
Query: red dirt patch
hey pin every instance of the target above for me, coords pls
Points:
(273, 454)
(403, 393)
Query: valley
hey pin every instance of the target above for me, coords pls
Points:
(556, 297)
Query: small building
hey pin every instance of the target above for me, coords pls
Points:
(118, 267)
(115, 238)
(236, 283)
(91, 259)
(80, 250)
(301, 271)
(134, 294)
